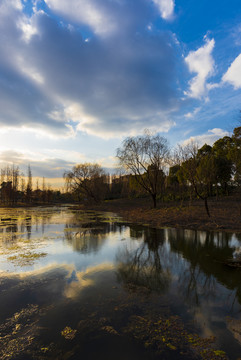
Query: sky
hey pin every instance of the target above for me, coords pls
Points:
(78, 76)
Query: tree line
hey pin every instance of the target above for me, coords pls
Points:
(18, 188)
(151, 168)
(147, 166)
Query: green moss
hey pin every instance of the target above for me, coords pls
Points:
(32, 255)
(26, 258)
(219, 353)
(68, 333)
(169, 333)
(44, 349)
(13, 248)
(172, 347)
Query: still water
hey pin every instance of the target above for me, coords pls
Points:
(79, 285)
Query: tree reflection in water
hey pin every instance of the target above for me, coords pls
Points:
(88, 234)
(85, 240)
(22, 223)
(144, 266)
(191, 261)
(204, 271)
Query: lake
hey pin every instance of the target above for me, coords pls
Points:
(76, 285)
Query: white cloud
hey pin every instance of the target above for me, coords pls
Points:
(29, 71)
(28, 28)
(208, 138)
(106, 17)
(131, 125)
(233, 75)
(190, 115)
(56, 83)
(236, 34)
(93, 125)
(72, 111)
(88, 12)
(166, 8)
(40, 133)
(5, 5)
(200, 62)
(48, 163)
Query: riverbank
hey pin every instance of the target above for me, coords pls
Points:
(225, 213)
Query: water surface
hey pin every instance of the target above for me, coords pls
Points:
(75, 284)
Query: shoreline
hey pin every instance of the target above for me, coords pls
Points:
(225, 214)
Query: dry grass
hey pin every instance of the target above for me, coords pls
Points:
(225, 213)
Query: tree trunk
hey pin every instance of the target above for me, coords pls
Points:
(154, 200)
(216, 191)
(206, 206)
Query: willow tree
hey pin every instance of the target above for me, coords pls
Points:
(145, 157)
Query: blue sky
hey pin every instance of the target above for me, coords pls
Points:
(78, 76)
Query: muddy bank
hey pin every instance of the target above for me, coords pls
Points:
(225, 213)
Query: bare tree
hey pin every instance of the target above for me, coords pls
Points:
(86, 180)
(44, 191)
(15, 183)
(146, 157)
(9, 184)
(29, 187)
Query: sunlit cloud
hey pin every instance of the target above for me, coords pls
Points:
(39, 132)
(31, 73)
(208, 138)
(166, 8)
(83, 72)
(5, 5)
(50, 163)
(59, 84)
(233, 74)
(133, 125)
(93, 13)
(42, 164)
(202, 63)
(28, 28)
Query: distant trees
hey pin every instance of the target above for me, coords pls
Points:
(29, 188)
(87, 181)
(17, 188)
(9, 184)
(195, 172)
(145, 157)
